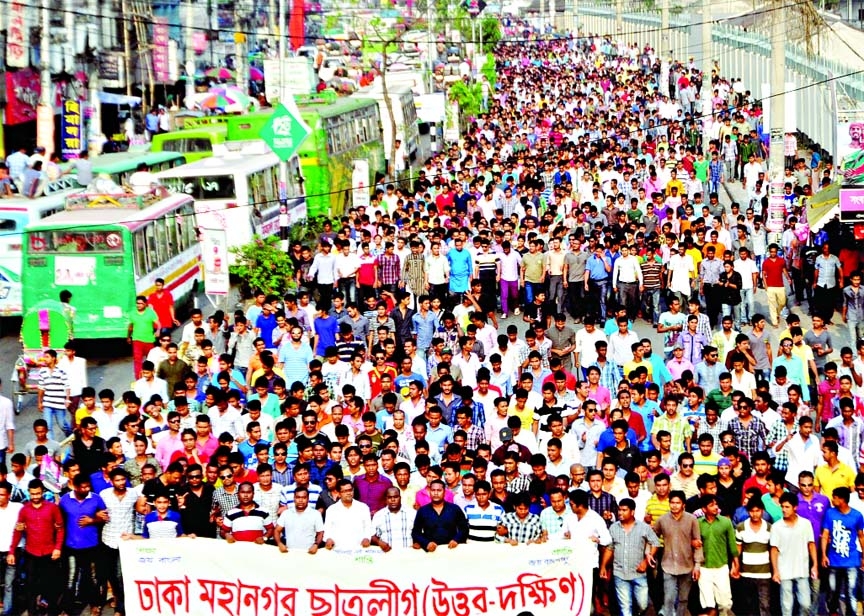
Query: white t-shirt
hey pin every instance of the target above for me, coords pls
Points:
(592, 528)
(792, 542)
(300, 528)
(746, 267)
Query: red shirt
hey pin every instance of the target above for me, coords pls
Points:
(773, 270)
(44, 529)
(162, 306)
(754, 482)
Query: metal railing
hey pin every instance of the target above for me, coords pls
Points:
(740, 54)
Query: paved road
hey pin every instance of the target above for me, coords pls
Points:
(110, 365)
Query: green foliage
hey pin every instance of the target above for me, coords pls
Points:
(492, 33)
(261, 264)
(489, 71)
(469, 97)
(308, 231)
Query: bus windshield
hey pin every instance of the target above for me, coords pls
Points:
(78, 241)
(203, 188)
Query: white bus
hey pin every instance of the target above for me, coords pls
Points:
(15, 214)
(239, 192)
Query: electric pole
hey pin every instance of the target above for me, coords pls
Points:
(778, 98)
(664, 47)
(619, 18)
(190, 53)
(45, 109)
(707, 63)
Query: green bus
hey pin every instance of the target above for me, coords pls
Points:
(105, 250)
(121, 165)
(344, 132)
(193, 143)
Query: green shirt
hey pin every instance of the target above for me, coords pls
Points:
(142, 324)
(701, 168)
(722, 400)
(718, 542)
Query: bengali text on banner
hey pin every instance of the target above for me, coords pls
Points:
(207, 576)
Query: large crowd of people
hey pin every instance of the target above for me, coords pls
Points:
(466, 360)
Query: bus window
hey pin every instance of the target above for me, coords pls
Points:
(152, 251)
(172, 245)
(162, 248)
(142, 267)
(7, 224)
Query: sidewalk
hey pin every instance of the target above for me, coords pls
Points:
(732, 191)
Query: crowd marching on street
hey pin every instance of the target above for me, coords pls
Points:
(394, 402)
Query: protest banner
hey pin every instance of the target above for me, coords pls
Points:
(207, 576)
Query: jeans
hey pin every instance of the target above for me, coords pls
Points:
(60, 416)
(790, 590)
(531, 289)
(556, 292)
(81, 585)
(630, 592)
(598, 289)
(575, 302)
(676, 589)
(348, 286)
(109, 572)
(856, 331)
(752, 596)
(651, 303)
(745, 308)
(8, 583)
(841, 584)
(628, 297)
(43, 576)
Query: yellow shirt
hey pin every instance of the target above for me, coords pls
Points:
(826, 479)
(80, 414)
(632, 365)
(805, 354)
(705, 464)
(526, 415)
(697, 259)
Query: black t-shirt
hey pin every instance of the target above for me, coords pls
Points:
(89, 457)
(155, 487)
(304, 441)
(196, 514)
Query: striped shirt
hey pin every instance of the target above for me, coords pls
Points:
(54, 384)
(287, 499)
(388, 269)
(247, 525)
(483, 523)
(755, 550)
(651, 275)
(487, 265)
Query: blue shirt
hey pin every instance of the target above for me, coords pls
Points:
(607, 439)
(169, 527)
(248, 451)
(439, 437)
(81, 537)
(461, 269)
(401, 383)
(295, 362)
(326, 330)
(266, 326)
(424, 329)
(843, 529)
(596, 268)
